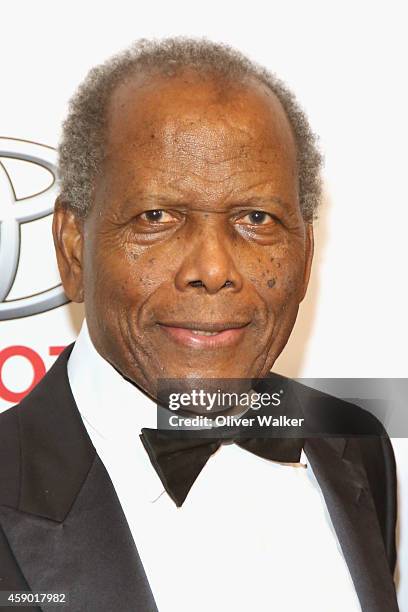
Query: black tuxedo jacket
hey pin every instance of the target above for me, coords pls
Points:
(62, 528)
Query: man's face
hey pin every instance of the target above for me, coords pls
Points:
(195, 222)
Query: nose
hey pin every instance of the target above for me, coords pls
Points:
(209, 263)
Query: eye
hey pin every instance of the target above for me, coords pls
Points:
(156, 215)
(259, 217)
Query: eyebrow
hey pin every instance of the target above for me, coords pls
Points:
(262, 200)
(164, 200)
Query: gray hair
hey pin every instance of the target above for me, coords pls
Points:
(82, 145)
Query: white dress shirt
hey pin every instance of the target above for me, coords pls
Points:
(253, 534)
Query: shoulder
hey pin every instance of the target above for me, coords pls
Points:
(331, 415)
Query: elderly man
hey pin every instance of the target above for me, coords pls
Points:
(190, 181)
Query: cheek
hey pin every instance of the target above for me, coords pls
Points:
(279, 280)
(125, 280)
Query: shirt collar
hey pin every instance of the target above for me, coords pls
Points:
(114, 411)
(104, 393)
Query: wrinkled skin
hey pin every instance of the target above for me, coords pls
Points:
(208, 155)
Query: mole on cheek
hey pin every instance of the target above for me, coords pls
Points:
(271, 282)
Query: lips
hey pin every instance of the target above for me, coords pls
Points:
(197, 334)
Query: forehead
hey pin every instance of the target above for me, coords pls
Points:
(198, 137)
(155, 110)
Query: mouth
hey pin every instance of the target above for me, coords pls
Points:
(204, 334)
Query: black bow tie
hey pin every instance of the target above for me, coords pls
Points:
(178, 461)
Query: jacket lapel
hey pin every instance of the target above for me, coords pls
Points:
(90, 555)
(68, 533)
(339, 470)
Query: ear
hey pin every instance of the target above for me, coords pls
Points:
(309, 250)
(67, 231)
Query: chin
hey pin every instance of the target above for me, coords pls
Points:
(213, 371)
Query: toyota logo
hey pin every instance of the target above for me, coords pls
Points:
(14, 212)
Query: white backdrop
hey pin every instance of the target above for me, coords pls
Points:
(346, 63)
